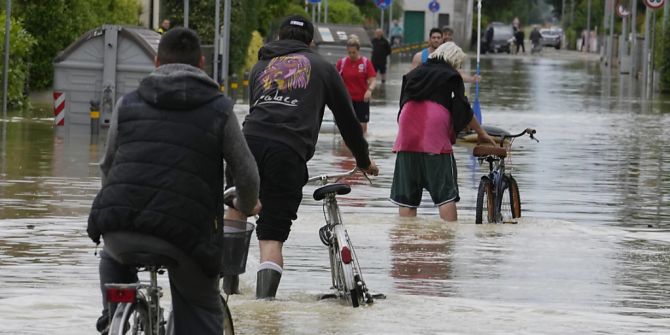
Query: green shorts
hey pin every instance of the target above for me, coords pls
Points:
(415, 171)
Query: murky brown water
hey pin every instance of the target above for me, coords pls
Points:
(590, 255)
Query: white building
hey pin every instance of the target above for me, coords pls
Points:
(418, 19)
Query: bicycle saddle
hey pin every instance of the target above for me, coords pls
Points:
(141, 250)
(489, 150)
(321, 192)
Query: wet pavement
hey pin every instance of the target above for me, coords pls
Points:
(591, 253)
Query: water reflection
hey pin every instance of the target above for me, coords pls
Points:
(422, 254)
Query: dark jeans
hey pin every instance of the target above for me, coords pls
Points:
(196, 300)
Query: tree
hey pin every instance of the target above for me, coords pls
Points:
(61, 22)
(20, 46)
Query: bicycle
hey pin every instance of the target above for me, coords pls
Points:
(498, 190)
(138, 309)
(345, 270)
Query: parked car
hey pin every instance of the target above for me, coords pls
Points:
(501, 37)
(552, 37)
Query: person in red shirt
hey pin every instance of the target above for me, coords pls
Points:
(360, 77)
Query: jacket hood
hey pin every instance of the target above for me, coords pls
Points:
(425, 79)
(177, 87)
(282, 47)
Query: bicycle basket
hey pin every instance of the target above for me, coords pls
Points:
(236, 238)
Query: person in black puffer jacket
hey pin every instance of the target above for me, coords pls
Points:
(162, 179)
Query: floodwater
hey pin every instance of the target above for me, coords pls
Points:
(591, 254)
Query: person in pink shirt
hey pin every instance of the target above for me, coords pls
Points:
(433, 109)
(360, 78)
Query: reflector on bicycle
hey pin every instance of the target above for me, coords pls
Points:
(121, 294)
(346, 255)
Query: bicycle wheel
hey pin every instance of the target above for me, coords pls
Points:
(131, 318)
(228, 328)
(485, 201)
(510, 205)
(346, 283)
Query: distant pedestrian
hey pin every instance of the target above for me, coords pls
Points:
(535, 38)
(435, 39)
(519, 36)
(360, 77)
(584, 40)
(447, 34)
(165, 26)
(396, 33)
(381, 49)
(433, 109)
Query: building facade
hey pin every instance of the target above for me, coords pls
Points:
(418, 19)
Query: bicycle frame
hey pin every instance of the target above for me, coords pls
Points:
(500, 180)
(340, 249)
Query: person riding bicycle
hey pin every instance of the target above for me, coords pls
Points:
(433, 109)
(290, 86)
(162, 176)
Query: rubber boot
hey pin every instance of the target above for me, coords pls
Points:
(231, 284)
(267, 281)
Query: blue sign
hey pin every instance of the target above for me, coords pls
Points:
(434, 6)
(383, 4)
(314, 1)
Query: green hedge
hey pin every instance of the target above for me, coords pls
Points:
(20, 45)
(664, 61)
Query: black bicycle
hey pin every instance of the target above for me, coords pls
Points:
(498, 193)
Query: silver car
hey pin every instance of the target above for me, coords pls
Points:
(551, 37)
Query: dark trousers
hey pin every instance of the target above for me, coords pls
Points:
(196, 300)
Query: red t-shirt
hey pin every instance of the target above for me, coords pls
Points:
(355, 75)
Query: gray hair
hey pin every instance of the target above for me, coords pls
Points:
(450, 53)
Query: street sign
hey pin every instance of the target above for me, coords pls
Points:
(654, 4)
(434, 6)
(383, 4)
(314, 1)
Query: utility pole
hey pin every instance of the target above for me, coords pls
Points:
(325, 16)
(217, 28)
(225, 66)
(5, 68)
(610, 39)
(563, 14)
(587, 43)
(186, 13)
(633, 31)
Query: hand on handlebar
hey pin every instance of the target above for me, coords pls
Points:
(484, 138)
(372, 169)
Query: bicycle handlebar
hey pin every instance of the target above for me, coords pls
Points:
(529, 131)
(323, 178)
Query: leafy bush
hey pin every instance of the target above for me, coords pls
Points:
(61, 22)
(20, 45)
(664, 61)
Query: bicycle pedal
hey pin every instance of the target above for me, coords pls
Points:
(328, 296)
(379, 296)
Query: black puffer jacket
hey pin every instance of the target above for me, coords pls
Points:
(166, 175)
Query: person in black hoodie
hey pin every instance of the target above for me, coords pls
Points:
(433, 109)
(290, 86)
(162, 182)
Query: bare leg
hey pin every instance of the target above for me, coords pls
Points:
(365, 127)
(406, 211)
(234, 214)
(448, 211)
(271, 251)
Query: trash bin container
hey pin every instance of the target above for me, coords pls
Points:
(102, 65)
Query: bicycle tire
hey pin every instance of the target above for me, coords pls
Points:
(347, 284)
(510, 199)
(228, 328)
(485, 201)
(131, 318)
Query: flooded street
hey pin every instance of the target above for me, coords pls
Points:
(591, 254)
